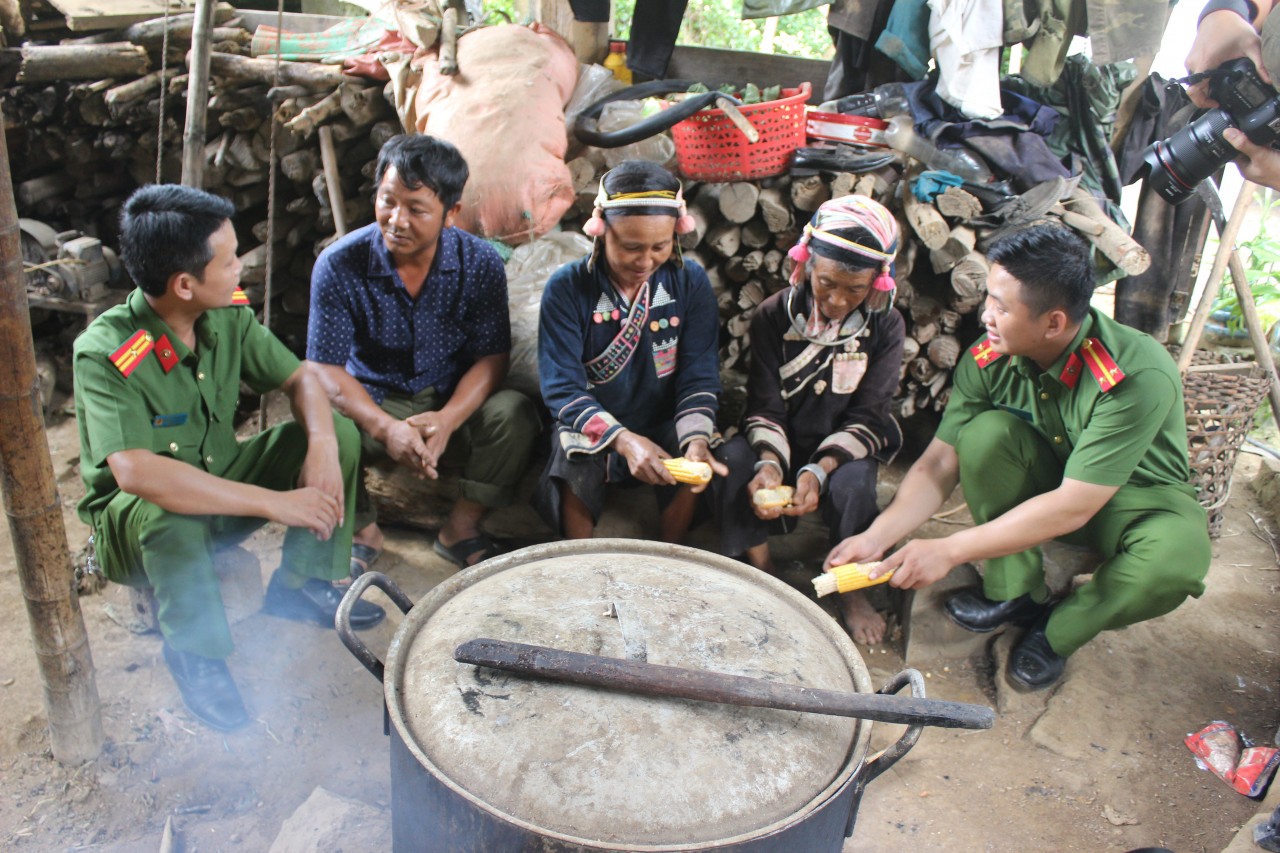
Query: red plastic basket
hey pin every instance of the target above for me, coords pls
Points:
(709, 147)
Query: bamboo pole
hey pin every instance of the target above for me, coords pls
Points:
(197, 96)
(34, 512)
(1226, 248)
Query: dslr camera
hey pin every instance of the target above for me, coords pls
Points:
(1174, 166)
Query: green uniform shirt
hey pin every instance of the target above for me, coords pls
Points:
(1135, 433)
(187, 412)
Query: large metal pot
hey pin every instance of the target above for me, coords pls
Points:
(486, 761)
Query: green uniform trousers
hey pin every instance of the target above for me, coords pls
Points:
(1154, 539)
(140, 544)
(491, 447)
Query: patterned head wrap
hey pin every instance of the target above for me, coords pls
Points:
(851, 211)
(659, 201)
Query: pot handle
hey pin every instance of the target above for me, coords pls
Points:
(889, 757)
(342, 619)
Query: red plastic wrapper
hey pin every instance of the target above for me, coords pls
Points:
(1220, 749)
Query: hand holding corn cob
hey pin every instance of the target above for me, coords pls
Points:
(847, 578)
(688, 471)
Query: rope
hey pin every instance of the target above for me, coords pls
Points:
(271, 197)
(164, 68)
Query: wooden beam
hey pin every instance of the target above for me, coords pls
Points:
(590, 41)
(94, 15)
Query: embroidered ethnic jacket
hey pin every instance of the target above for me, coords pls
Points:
(605, 365)
(1110, 407)
(806, 400)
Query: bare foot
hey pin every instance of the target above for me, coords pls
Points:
(864, 622)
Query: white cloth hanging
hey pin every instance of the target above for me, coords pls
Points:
(965, 37)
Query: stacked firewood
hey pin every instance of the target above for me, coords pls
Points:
(78, 147)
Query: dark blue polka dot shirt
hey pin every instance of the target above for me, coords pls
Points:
(363, 319)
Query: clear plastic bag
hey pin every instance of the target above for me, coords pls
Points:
(527, 272)
(620, 115)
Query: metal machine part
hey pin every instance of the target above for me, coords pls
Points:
(65, 266)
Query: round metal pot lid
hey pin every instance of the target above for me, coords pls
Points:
(609, 768)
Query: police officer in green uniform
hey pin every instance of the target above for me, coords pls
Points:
(1062, 424)
(157, 379)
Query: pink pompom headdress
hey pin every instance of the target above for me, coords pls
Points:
(843, 213)
(661, 200)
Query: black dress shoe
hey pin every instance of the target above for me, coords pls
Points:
(1034, 664)
(973, 611)
(207, 689)
(316, 601)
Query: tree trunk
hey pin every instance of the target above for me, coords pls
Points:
(35, 515)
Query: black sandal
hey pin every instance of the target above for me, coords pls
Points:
(458, 552)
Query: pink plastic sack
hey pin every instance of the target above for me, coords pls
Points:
(505, 113)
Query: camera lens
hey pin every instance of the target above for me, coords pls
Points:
(1176, 165)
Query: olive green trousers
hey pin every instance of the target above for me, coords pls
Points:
(1154, 539)
(139, 544)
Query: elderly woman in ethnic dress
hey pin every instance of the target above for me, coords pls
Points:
(825, 360)
(628, 358)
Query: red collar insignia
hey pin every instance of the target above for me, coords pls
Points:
(1070, 374)
(165, 353)
(983, 354)
(239, 297)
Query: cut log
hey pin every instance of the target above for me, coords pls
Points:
(735, 270)
(924, 332)
(910, 349)
(738, 201)
(120, 98)
(956, 248)
(924, 219)
(809, 193)
(773, 262)
(956, 203)
(944, 351)
(44, 64)
(45, 188)
(315, 115)
(385, 130)
(969, 278)
(751, 294)
(692, 239)
(842, 184)
(1124, 251)
(755, 234)
(739, 325)
(724, 239)
(300, 166)
(753, 260)
(775, 207)
(922, 369)
(363, 105)
(237, 70)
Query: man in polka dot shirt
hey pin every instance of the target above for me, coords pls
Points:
(409, 321)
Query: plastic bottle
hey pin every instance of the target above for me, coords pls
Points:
(616, 61)
(901, 136)
(883, 102)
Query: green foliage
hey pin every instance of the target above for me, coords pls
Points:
(1261, 258)
(717, 23)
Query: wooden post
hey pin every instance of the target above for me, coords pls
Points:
(1226, 246)
(332, 181)
(197, 96)
(35, 514)
(590, 41)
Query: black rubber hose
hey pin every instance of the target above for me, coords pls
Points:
(651, 126)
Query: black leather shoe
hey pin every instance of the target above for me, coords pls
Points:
(1034, 664)
(973, 611)
(316, 601)
(207, 689)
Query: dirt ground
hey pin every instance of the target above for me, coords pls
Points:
(1096, 765)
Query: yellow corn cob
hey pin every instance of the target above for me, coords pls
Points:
(687, 471)
(847, 578)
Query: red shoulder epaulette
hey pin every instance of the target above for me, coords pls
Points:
(1101, 364)
(239, 297)
(983, 354)
(132, 352)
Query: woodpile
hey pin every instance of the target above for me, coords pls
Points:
(81, 141)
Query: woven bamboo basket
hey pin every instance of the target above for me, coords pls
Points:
(1220, 410)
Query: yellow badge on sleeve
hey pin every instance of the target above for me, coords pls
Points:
(132, 352)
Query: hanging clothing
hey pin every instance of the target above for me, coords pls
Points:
(653, 36)
(965, 38)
